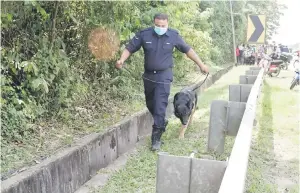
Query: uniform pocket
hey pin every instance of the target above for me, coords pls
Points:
(168, 47)
(148, 45)
(167, 88)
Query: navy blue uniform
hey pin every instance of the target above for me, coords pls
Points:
(158, 64)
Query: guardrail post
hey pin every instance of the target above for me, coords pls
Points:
(252, 72)
(235, 112)
(182, 174)
(239, 92)
(173, 173)
(225, 119)
(255, 68)
(217, 125)
(247, 79)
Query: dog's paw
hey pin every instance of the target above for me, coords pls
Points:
(181, 137)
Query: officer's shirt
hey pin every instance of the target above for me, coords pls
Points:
(158, 51)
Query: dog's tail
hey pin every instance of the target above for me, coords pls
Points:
(201, 83)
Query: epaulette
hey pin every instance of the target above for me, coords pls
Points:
(173, 30)
(146, 29)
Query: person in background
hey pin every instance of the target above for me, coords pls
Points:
(237, 52)
(241, 48)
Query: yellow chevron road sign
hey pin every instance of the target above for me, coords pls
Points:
(256, 32)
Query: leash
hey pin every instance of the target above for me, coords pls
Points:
(201, 83)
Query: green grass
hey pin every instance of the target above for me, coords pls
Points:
(139, 173)
(262, 151)
(277, 117)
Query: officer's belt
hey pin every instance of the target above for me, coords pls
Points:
(155, 71)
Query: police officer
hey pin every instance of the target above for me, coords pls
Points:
(158, 43)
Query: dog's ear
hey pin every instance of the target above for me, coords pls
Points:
(190, 104)
(175, 97)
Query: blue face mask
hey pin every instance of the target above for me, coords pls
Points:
(160, 30)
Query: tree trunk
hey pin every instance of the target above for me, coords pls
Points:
(53, 24)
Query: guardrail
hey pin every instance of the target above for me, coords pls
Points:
(235, 174)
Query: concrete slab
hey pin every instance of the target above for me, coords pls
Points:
(214, 78)
(239, 92)
(144, 123)
(206, 175)
(127, 135)
(103, 151)
(235, 113)
(173, 174)
(217, 125)
(252, 72)
(103, 175)
(247, 79)
(255, 68)
(208, 82)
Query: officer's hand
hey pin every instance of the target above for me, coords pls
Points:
(204, 69)
(119, 64)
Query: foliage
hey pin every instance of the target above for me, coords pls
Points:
(47, 70)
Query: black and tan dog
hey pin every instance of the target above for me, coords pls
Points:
(185, 103)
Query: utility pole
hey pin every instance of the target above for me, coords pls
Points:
(233, 33)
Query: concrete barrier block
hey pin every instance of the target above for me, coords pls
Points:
(219, 74)
(209, 82)
(144, 123)
(252, 72)
(217, 125)
(103, 151)
(206, 175)
(127, 135)
(247, 79)
(235, 113)
(214, 78)
(62, 173)
(255, 68)
(173, 174)
(239, 92)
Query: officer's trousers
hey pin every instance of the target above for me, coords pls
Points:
(157, 95)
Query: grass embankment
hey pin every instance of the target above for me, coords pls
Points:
(274, 158)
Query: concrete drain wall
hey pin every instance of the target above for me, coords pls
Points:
(182, 174)
(69, 169)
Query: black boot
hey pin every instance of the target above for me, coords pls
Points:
(155, 138)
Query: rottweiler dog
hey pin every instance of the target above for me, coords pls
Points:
(185, 103)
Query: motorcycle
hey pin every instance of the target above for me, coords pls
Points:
(296, 63)
(286, 58)
(295, 80)
(272, 65)
(275, 68)
(296, 60)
